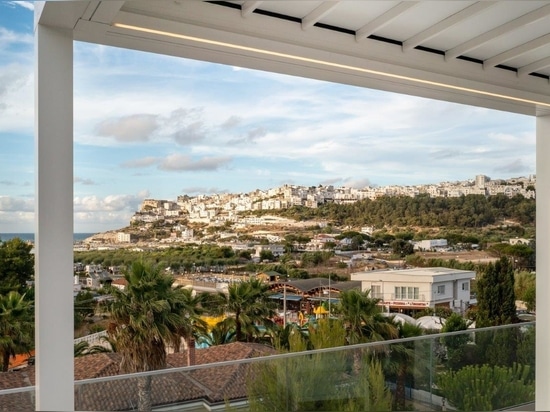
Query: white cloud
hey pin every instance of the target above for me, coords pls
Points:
(29, 5)
(201, 190)
(9, 38)
(140, 163)
(94, 213)
(133, 128)
(83, 181)
(16, 98)
(179, 162)
(16, 214)
(13, 204)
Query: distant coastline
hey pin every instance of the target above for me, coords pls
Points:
(77, 237)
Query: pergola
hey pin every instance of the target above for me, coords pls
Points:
(492, 54)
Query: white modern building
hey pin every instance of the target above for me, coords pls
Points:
(430, 244)
(489, 54)
(419, 288)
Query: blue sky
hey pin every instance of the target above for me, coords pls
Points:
(156, 126)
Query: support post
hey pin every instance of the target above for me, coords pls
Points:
(542, 394)
(54, 219)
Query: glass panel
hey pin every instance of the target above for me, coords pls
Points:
(483, 369)
(19, 399)
(478, 369)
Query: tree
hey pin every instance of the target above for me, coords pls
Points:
(320, 381)
(457, 350)
(220, 334)
(143, 321)
(525, 288)
(16, 265)
(266, 254)
(83, 348)
(497, 306)
(16, 326)
(530, 298)
(248, 306)
(487, 388)
(495, 294)
(188, 305)
(84, 306)
(362, 318)
(402, 360)
(402, 247)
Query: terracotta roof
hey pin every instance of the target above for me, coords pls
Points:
(17, 379)
(212, 385)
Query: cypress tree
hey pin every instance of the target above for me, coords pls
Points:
(496, 297)
(497, 306)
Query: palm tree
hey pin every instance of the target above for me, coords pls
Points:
(144, 319)
(363, 319)
(188, 305)
(248, 306)
(402, 360)
(83, 348)
(16, 326)
(281, 336)
(220, 334)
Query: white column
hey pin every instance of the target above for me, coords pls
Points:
(54, 219)
(542, 397)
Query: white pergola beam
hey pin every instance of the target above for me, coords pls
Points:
(106, 11)
(497, 32)
(248, 7)
(54, 219)
(318, 13)
(445, 24)
(542, 377)
(517, 51)
(90, 9)
(533, 67)
(383, 20)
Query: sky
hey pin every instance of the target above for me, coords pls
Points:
(151, 126)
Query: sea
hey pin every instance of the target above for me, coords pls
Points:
(77, 237)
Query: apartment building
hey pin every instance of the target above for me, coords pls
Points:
(416, 289)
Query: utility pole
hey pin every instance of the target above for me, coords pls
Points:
(284, 306)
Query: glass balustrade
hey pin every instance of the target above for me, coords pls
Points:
(477, 369)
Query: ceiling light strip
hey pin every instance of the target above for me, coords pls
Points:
(326, 63)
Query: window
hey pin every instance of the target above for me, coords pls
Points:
(441, 290)
(465, 286)
(376, 292)
(406, 292)
(400, 292)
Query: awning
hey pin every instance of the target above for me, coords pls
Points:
(292, 297)
(288, 296)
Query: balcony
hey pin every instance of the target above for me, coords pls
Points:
(280, 37)
(404, 374)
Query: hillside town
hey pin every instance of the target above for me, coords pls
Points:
(226, 207)
(187, 215)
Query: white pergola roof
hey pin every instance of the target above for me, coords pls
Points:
(494, 54)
